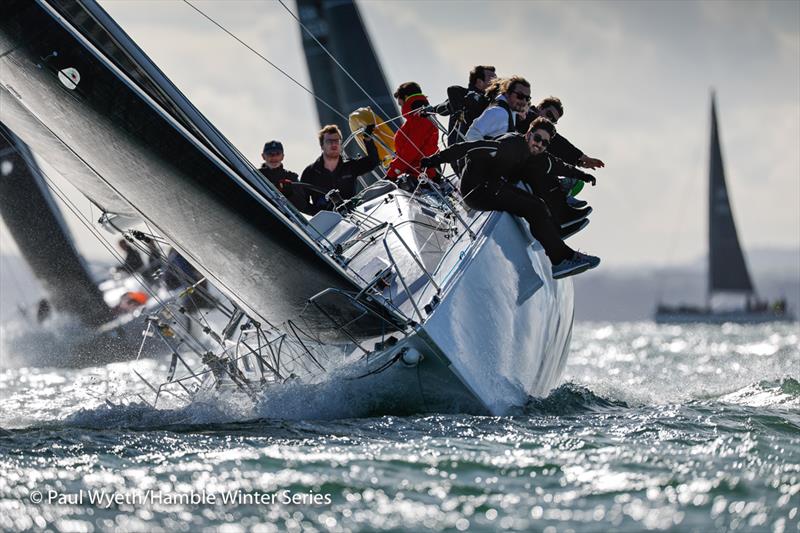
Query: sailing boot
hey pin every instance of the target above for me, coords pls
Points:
(570, 216)
(575, 265)
(572, 229)
(576, 202)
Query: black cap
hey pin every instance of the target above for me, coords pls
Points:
(273, 146)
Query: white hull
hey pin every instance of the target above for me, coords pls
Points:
(505, 324)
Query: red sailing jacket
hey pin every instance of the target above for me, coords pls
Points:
(418, 137)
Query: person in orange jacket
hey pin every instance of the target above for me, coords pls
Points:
(418, 137)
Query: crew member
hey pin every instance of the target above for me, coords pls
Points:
(132, 261)
(417, 137)
(510, 97)
(285, 180)
(484, 188)
(465, 104)
(331, 171)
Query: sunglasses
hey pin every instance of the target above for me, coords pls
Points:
(549, 115)
(539, 139)
(524, 96)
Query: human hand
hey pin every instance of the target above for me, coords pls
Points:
(590, 162)
(430, 161)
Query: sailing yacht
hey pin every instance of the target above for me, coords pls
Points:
(727, 269)
(430, 305)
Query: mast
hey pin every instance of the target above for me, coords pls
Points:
(727, 270)
(338, 26)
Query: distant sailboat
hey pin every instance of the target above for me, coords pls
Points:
(727, 270)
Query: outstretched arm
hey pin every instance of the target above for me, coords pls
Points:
(362, 165)
(562, 148)
(457, 151)
(560, 168)
(590, 162)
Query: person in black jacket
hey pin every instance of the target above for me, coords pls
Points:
(552, 109)
(284, 180)
(465, 104)
(331, 171)
(485, 186)
(133, 259)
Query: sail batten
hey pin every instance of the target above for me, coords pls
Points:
(727, 270)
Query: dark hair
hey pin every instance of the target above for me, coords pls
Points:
(552, 101)
(500, 86)
(407, 89)
(513, 81)
(479, 73)
(541, 123)
(330, 128)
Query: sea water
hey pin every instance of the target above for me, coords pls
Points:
(684, 428)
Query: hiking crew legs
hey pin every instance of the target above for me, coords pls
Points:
(548, 189)
(501, 196)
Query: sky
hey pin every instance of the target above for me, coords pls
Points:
(635, 78)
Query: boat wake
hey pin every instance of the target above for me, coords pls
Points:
(571, 399)
(305, 403)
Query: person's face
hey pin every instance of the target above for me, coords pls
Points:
(273, 159)
(519, 97)
(550, 113)
(538, 141)
(331, 145)
(488, 76)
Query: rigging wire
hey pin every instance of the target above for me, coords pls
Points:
(276, 67)
(688, 180)
(110, 248)
(324, 49)
(306, 89)
(347, 73)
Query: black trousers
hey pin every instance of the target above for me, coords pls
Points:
(485, 191)
(548, 189)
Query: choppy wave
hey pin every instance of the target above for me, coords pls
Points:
(652, 428)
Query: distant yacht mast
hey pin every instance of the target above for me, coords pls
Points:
(339, 28)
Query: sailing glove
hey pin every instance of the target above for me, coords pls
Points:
(430, 161)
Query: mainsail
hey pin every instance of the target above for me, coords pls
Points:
(75, 88)
(727, 270)
(42, 235)
(338, 26)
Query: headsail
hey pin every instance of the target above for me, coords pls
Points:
(42, 235)
(338, 26)
(727, 270)
(157, 153)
